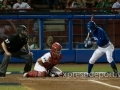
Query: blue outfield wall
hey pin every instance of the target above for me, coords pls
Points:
(70, 56)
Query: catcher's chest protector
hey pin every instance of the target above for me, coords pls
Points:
(52, 62)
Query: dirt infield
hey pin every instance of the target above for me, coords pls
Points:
(67, 82)
(64, 83)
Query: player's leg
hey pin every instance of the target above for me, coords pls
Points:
(35, 74)
(109, 52)
(113, 65)
(97, 54)
(39, 71)
(4, 65)
(25, 56)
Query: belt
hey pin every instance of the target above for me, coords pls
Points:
(106, 45)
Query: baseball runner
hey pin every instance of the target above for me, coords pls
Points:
(45, 66)
(104, 46)
(12, 48)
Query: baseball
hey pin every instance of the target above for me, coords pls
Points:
(53, 75)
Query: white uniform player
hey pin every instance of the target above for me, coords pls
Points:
(45, 66)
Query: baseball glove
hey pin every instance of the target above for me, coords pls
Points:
(52, 74)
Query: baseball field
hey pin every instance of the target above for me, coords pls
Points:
(74, 78)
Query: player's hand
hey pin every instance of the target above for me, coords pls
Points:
(86, 42)
(90, 42)
(8, 53)
(30, 53)
(52, 73)
(94, 39)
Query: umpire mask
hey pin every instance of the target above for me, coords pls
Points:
(23, 31)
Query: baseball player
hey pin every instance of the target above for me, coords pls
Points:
(104, 46)
(45, 66)
(12, 48)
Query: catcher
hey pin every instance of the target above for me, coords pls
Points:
(45, 66)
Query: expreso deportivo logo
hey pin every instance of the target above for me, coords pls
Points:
(93, 74)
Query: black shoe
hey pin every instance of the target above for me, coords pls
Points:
(2, 75)
(116, 74)
(87, 75)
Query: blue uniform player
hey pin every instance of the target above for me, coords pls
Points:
(104, 46)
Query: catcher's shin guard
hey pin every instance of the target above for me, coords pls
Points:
(42, 74)
(32, 74)
(36, 74)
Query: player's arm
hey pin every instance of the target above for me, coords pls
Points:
(7, 44)
(94, 42)
(28, 49)
(5, 49)
(40, 61)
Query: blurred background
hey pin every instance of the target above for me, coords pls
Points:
(62, 21)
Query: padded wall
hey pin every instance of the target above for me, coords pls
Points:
(72, 56)
(17, 60)
(117, 55)
(68, 55)
(83, 56)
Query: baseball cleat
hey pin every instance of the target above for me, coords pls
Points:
(25, 75)
(116, 74)
(87, 75)
(2, 75)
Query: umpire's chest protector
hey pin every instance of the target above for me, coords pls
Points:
(17, 43)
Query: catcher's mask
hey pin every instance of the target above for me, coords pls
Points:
(91, 26)
(56, 50)
(22, 30)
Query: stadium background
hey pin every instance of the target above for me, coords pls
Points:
(67, 29)
(70, 32)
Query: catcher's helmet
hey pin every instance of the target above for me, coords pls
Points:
(20, 28)
(56, 49)
(91, 26)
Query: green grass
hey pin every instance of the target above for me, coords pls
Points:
(4, 87)
(83, 67)
(105, 67)
(15, 69)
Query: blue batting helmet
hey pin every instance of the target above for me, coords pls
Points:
(91, 26)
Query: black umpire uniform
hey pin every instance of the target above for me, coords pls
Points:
(13, 45)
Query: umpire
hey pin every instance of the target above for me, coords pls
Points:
(12, 48)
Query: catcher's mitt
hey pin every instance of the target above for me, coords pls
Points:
(52, 74)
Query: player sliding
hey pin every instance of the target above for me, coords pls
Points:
(104, 46)
(45, 66)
